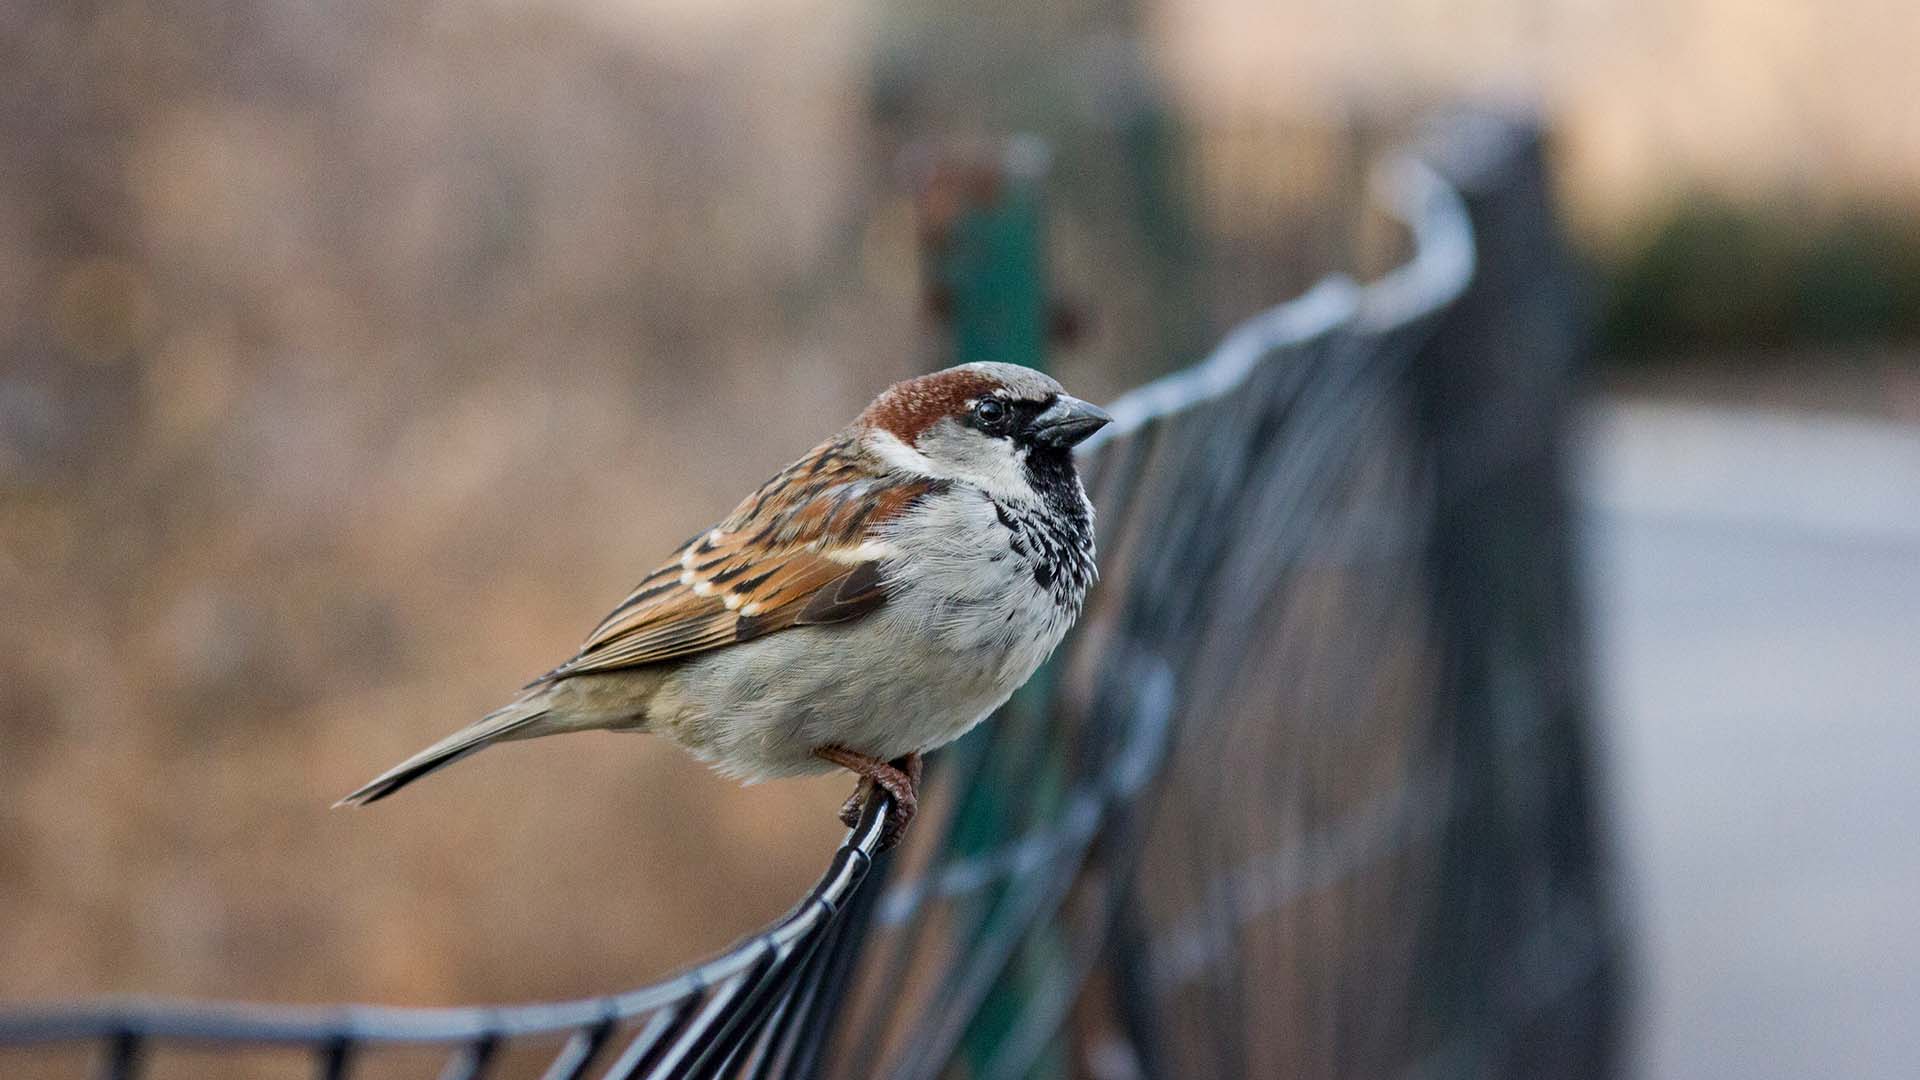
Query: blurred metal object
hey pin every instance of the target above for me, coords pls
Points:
(983, 254)
(1308, 796)
(1081, 79)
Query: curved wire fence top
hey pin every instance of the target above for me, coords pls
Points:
(1241, 826)
(685, 1017)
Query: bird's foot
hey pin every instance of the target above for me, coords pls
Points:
(900, 779)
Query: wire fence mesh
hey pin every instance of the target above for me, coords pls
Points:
(1306, 795)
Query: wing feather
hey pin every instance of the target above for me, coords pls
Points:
(799, 551)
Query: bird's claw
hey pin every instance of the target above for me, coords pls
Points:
(900, 813)
(900, 779)
(856, 803)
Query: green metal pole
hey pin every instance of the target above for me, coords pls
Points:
(983, 233)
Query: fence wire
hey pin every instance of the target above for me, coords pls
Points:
(1306, 794)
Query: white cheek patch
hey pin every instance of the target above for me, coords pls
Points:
(888, 447)
(1021, 485)
(952, 452)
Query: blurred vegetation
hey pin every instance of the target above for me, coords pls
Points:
(1719, 274)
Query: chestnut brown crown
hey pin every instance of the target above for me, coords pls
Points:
(998, 400)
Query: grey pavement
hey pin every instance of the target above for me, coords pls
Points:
(1755, 581)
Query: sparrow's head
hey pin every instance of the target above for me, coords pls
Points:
(1001, 427)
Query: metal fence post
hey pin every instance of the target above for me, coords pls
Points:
(983, 237)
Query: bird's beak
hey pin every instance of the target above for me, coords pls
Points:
(1067, 421)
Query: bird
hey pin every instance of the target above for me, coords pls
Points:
(872, 602)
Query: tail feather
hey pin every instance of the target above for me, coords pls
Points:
(505, 724)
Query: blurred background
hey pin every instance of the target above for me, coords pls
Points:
(355, 358)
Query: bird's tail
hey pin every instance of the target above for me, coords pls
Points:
(506, 723)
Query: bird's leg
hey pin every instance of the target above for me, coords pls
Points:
(899, 779)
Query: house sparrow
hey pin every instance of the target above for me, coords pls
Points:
(874, 601)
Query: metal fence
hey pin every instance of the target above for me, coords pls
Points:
(1305, 796)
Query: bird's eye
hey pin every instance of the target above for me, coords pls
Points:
(990, 412)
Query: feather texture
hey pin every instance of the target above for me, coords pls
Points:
(798, 551)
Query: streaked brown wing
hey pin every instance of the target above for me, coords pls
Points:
(799, 551)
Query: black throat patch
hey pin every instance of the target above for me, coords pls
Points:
(1055, 537)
